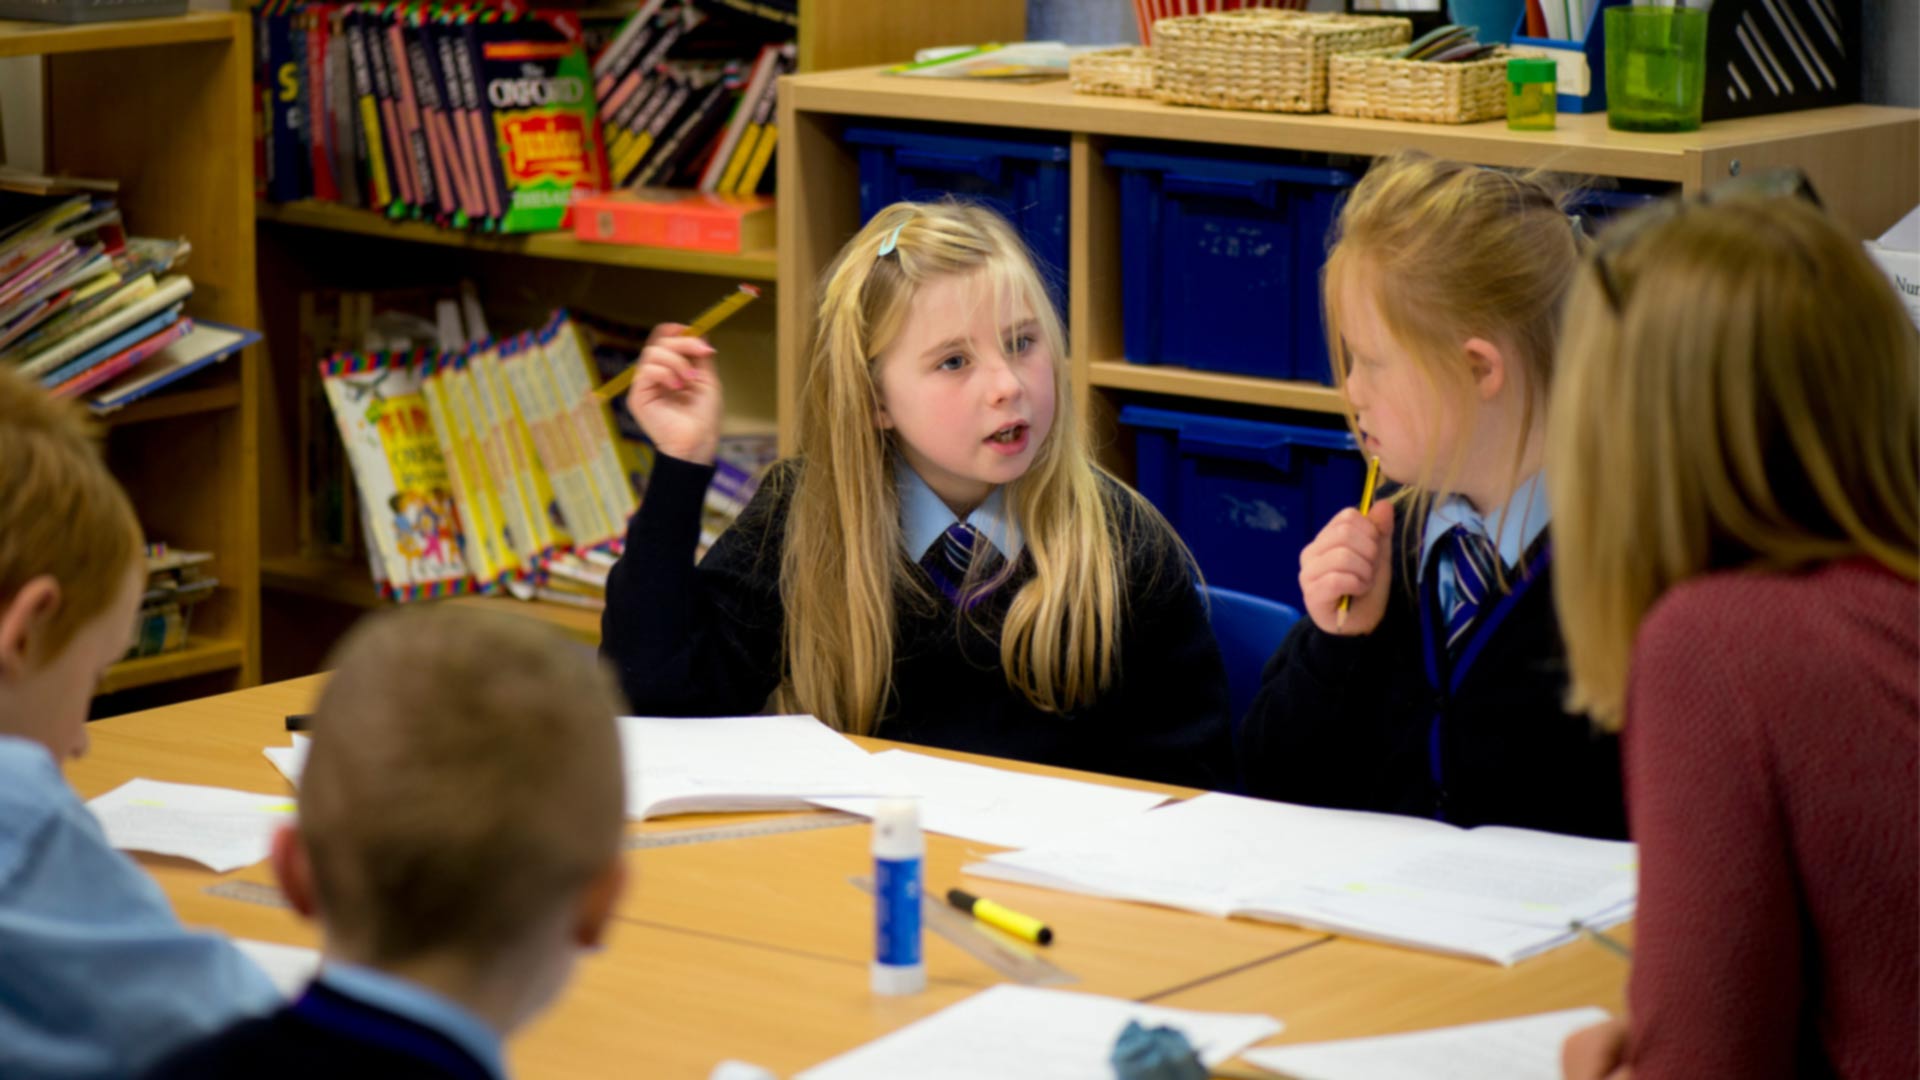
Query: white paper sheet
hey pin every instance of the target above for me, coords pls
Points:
(1023, 1033)
(290, 760)
(998, 806)
(216, 827)
(687, 765)
(289, 967)
(1527, 1048)
(1500, 894)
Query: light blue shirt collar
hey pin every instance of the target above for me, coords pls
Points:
(422, 1006)
(923, 517)
(1520, 522)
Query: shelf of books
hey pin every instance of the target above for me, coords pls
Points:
(628, 143)
(127, 286)
(198, 656)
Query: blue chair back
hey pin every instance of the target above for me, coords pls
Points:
(1249, 629)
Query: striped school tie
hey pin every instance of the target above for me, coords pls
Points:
(1473, 558)
(947, 560)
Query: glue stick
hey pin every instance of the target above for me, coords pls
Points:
(897, 852)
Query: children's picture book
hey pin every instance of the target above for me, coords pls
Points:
(405, 488)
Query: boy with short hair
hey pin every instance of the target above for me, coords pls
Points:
(97, 976)
(459, 842)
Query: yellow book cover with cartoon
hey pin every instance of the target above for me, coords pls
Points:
(405, 487)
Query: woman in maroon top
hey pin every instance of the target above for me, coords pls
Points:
(1734, 464)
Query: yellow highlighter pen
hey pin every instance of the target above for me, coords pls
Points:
(1366, 505)
(1024, 927)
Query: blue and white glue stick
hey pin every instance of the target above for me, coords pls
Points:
(897, 852)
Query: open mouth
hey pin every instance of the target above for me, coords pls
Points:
(1008, 435)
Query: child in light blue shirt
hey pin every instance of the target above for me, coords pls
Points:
(97, 976)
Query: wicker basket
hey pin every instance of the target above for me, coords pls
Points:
(1375, 84)
(1269, 61)
(1114, 72)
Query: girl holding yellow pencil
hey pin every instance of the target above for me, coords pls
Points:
(1428, 676)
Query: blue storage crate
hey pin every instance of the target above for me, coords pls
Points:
(1023, 177)
(1245, 495)
(1597, 209)
(1220, 262)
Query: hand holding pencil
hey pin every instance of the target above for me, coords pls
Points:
(1346, 573)
(675, 394)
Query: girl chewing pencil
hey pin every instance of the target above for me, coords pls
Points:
(1440, 693)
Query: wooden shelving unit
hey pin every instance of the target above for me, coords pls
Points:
(164, 106)
(832, 33)
(751, 265)
(1865, 161)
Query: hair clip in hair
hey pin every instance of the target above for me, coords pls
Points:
(892, 241)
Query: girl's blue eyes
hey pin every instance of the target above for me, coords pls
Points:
(1018, 347)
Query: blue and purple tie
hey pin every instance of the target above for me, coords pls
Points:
(1473, 558)
(948, 558)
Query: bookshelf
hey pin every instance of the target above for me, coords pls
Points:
(164, 106)
(1864, 160)
(310, 244)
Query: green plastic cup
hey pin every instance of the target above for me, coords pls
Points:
(1656, 67)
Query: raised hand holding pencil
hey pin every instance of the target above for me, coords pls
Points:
(675, 394)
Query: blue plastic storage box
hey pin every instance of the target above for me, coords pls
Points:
(1598, 208)
(1220, 262)
(1245, 495)
(1023, 177)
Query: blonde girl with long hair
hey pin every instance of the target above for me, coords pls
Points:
(1438, 691)
(1735, 468)
(942, 562)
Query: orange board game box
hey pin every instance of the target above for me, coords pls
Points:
(659, 217)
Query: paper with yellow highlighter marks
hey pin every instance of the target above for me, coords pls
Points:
(218, 828)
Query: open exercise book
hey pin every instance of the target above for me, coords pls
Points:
(1495, 893)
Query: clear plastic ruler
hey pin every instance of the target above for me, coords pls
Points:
(1004, 953)
(830, 819)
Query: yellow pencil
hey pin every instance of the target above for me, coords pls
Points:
(700, 327)
(1366, 505)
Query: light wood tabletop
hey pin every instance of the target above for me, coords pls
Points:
(756, 948)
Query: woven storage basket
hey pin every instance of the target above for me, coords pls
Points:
(1115, 72)
(1375, 84)
(1269, 61)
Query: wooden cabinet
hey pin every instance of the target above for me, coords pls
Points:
(163, 106)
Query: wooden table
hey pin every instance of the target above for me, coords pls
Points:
(757, 948)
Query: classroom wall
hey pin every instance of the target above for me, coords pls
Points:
(1890, 75)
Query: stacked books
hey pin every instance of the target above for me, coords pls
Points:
(489, 464)
(176, 581)
(89, 312)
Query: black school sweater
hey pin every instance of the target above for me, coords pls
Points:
(325, 1035)
(706, 641)
(1355, 723)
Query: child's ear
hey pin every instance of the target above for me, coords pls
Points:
(21, 621)
(293, 869)
(1489, 367)
(597, 903)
